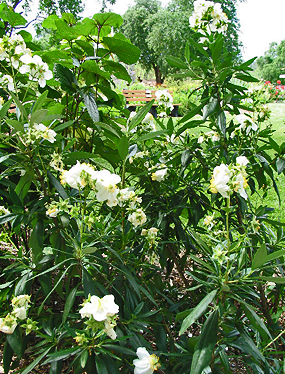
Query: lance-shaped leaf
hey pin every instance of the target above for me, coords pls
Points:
(206, 344)
(89, 101)
(197, 311)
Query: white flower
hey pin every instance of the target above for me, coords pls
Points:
(3, 210)
(240, 183)
(246, 124)
(106, 185)
(137, 218)
(164, 98)
(99, 309)
(109, 329)
(208, 17)
(145, 363)
(159, 175)
(8, 324)
(7, 79)
(21, 301)
(52, 212)
(242, 160)
(45, 132)
(149, 120)
(220, 180)
(20, 313)
(125, 195)
(77, 175)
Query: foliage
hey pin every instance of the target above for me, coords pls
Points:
(271, 65)
(159, 31)
(126, 234)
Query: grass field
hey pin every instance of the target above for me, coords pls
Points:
(271, 200)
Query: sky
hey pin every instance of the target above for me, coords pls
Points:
(261, 22)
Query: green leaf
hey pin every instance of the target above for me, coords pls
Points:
(40, 101)
(64, 125)
(197, 311)
(23, 185)
(64, 31)
(108, 19)
(36, 241)
(66, 78)
(222, 122)
(89, 285)
(16, 342)
(256, 321)
(83, 358)
(20, 106)
(117, 69)
(176, 62)
(90, 103)
(49, 22)
(18, 126)
(5, 108)
(277, 280)
(123, 147)
(38, 116)
(206, 344)
(280, 165)
(61, 355)
(187, 52)
(126, 52)
(246, 78)
(15, 19)
(260, 257)
(68, 304)
(100, 365)
(35, 362)
(140, 115)
(57, 185)
(7, 357)
(151, 135)
(210, 108)
(275, 255)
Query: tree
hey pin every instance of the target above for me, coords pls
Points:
(159, 32)
(270, 66)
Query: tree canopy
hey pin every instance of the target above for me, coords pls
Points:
(159, 31)
(271, 65)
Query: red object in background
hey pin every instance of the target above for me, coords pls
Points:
(267, 82)
(278, 82)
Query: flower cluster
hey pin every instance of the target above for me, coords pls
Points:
(220, 254)
(20, 306)
(229, 179)
(212, 135)
(145, 363)
(208, 17)
(165, 100)
(14, 51)
(160, 173)
(105, 186)
(151, 235)
(247, 126)
(101, 310)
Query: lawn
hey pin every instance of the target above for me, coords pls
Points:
(271, 200)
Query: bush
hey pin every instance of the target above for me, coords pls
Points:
(124, 235)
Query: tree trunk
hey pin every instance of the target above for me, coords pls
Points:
(158, 77)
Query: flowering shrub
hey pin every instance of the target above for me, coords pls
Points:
(128, 235)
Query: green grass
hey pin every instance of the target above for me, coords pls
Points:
(271, 200)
